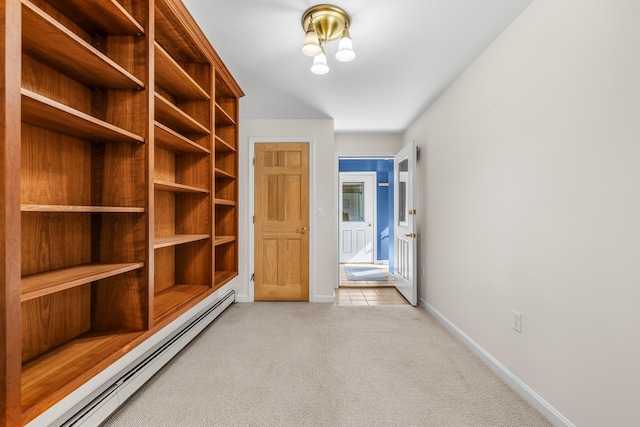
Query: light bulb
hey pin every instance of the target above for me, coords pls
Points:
(345, 51)
(311, 45)
(320, 66)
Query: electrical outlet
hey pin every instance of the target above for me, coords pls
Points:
(517, 321)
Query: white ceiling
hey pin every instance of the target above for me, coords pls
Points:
(408, 52)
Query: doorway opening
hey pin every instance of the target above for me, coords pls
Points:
(366, 224)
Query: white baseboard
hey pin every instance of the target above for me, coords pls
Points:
(323, 298)
(243, 298)
(534, 399)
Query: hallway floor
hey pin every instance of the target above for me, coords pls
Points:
(361, 293)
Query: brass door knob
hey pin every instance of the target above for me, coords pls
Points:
(301, 230)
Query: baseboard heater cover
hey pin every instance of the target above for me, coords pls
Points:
(116, 391)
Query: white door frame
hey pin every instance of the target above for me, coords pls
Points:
(312, 202)
(351, 155)
(374, 200)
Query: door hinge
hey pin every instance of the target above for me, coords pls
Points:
(253, 275)
(254, 161)
(254, 219)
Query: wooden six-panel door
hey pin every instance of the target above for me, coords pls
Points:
(281, 221)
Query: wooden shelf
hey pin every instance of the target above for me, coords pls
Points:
(222, 277)
(178, 239)
(222, 145)
(171, 77)
(38, 285)
(52, 43)
(171, 299)
(222, 174)
(169, 139)
(221, 240)
(51, 376)
(177, 188)
(104, 17)
(79, 209)
(174, 117)
(46, 113)
(224, 202)
(223, 118)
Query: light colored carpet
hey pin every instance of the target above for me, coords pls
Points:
(306, 364)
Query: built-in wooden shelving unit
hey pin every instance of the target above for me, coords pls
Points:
(119, 192)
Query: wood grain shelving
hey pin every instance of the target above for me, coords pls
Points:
(172, 78)
(51, 42)
(41, 111)
(223, 117)
(100, 16)
(222, 174)
(79, 209)
(169, 139)
(51, 376)
(221, 240)
(222, 277)
(177, 188)
(224, 202)
(179, 239)
(171, 299)
(101, 158)
(169, 114)
(38, 285)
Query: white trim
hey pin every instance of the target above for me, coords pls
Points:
(528, 394)
(312, 208)
(323, 298)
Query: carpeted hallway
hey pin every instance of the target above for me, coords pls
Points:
(306, 364)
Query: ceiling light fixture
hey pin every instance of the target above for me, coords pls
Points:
(324, 23)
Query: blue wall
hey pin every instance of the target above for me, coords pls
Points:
(384, 226)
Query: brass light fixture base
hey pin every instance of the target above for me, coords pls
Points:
(328, 19)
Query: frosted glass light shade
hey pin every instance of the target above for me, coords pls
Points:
(320, 66)
(345, 51)
(311, 45)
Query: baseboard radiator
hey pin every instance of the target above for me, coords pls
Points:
(97, 408)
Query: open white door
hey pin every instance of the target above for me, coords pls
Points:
(405, 257)
(357, 207)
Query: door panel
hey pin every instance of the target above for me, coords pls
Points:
(405, 277)
(357, 207)
(281, 221)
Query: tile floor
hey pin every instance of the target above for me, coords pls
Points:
(355, 293)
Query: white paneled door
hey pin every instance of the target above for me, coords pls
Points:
(357, 216)
(405, 277)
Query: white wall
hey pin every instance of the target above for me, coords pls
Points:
(530, 180)
(368, 143)
(323, 234)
